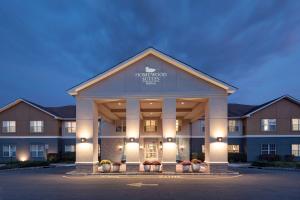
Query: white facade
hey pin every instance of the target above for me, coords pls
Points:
(151, 85)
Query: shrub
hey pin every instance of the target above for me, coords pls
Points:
(298, 165)
(237, 157)
(198, 156)
(196, 161)
(146, 162)
(289, 158)
(68, 157)
(262, 164)
(194, 155)
(269, 157)
(186, 162)
(104, 162)
(33, 164)
(156, 162)
(116, 163)
(53, 157)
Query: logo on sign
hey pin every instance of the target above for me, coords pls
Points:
(151, 76)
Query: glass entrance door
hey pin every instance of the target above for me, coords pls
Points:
(151, 152)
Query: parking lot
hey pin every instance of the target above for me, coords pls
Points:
(53, 183)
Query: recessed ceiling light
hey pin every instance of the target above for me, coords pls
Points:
(150, 103)
(119, 103)
(182, 103)
(151, 113)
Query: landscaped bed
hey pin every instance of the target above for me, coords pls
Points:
(282, 164)
(24, 164)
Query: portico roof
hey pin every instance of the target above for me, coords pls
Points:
(151, 51)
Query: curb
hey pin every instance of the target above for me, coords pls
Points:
(73, 173)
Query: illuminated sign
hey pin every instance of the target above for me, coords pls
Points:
(151, 76)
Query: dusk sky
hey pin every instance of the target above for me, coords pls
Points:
(46, 47)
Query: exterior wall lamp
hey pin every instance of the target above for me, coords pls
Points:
(83, 140)
(132, 139)
(120, 147)
(170, 139)
(181, 147)
(220, 139)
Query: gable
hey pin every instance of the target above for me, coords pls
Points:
(283, 108)
(22, 111)
(153, 76)
(139, 58)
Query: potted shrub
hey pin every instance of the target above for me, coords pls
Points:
(196, 165)
(116, 166)
(147, 166)
(106, 165)
(186, 166)
(156, 166)
(203, 167)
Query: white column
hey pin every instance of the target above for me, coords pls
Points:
(86, 129)
(216, 126)
(132, 130)
(169, 130)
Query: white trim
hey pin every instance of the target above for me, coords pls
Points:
(29, 137)
(268, 136)
(76, 89)
(276, 100)
(111, 136)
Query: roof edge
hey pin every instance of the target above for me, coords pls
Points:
(272, 102)
(74, 90)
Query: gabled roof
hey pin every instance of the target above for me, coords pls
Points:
(229, 88)
(269, 103)
(63, 112)
(238, 110)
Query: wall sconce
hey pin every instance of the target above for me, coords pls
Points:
(219, 139)
(82, 140)
(132, 140)
(160, 145)
(120, 147)
(169, 139)
(181, 147)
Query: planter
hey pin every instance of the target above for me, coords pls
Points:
(203, 167)
(147, 168)
(185, 168)
(156, 168)
(195, 167)
(106, 168)
(116, 168)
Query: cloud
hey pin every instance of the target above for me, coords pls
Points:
(74, 40)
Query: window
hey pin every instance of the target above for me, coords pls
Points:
(233, 126)
(69, 148)
(121, 126)
(150, 126)
(202, 125)
(37, 151)
(9, 126)
(268, 149)
(296, 124)
(296, 150)
(178, 125)
(151, 151)
(36, 126)
(268, 124)
(234, 148)
(70, 127)
(9, 150)
(203, 148)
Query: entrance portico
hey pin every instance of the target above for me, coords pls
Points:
(150, 95)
